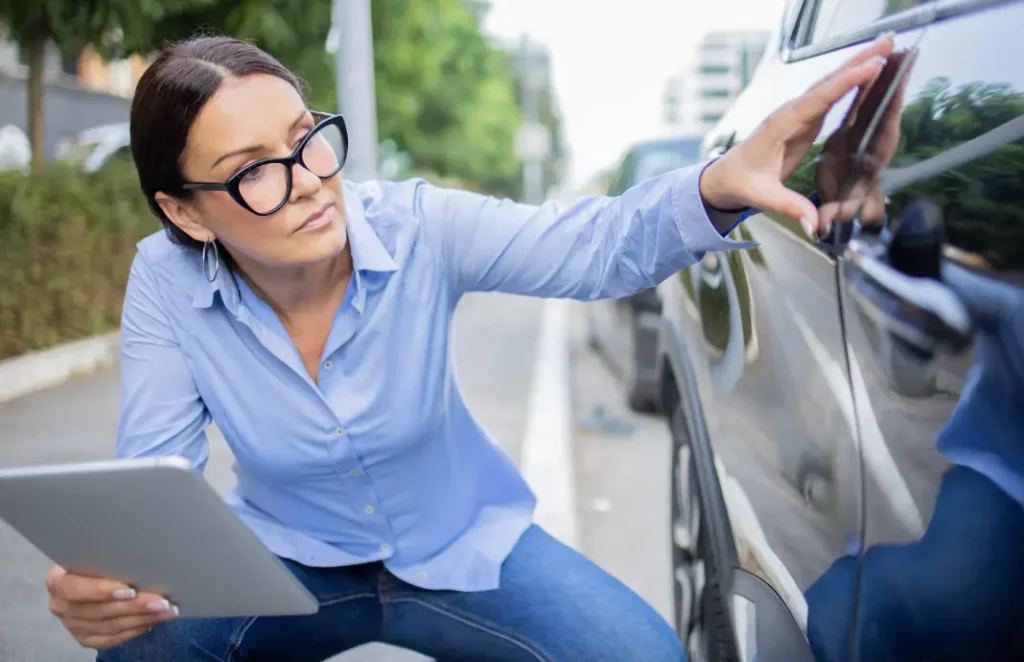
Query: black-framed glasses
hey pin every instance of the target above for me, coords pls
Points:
(265, 186)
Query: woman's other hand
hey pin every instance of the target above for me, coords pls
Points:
(103, 613)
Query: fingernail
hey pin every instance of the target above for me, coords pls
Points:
(159, 606)
(173, 612)
(124, 594)
(805, 223)
(878, 61)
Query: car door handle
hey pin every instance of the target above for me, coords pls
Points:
(896, 283)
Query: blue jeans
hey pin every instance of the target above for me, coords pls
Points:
(553, 605)
(955, 594)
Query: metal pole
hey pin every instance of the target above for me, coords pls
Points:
(357, 99)
(533, 167)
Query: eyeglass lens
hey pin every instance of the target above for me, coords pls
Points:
(265, 187)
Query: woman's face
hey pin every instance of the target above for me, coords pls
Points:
(249, 119)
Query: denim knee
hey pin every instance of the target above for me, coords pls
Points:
(185, 640)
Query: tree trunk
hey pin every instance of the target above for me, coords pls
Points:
(36, 62)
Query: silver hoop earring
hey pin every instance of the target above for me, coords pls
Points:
(206, 261)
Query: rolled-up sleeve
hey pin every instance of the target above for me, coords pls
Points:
(598, 247)
(161, 411)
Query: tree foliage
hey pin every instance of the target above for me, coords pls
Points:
(445, 95)
(73, 24)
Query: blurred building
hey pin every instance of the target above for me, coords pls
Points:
(82, 92)
(721, 66)
(479, 8)
(85, 69)
(117, 77)
(541, 134)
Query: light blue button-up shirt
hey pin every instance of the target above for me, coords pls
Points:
(381, 460)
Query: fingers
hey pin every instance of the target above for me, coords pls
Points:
(864, 203)
(858, 71)
(773, 197)
(870, 96)
(890, 123)
(145, 604)
(79, 588)
(103, 625)
(870, 99)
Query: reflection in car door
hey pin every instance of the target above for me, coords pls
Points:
(933, 304)
(764, 337)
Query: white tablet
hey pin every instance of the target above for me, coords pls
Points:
(154, 523)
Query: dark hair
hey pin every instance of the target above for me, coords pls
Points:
(167, 100)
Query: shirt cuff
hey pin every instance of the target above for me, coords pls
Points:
(695, 227)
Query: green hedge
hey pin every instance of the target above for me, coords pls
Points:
(66, 243)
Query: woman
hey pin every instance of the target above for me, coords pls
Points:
(310, 317)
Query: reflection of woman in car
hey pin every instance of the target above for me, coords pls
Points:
(309, 317)
(958, 592)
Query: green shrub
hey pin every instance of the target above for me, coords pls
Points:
(67, 240)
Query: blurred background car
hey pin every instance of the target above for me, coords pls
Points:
(15, 149)
(93, 148)
(624, 332)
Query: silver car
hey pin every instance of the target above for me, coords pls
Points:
(624, 332)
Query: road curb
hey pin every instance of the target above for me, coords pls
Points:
(547, 457)
(38, 371)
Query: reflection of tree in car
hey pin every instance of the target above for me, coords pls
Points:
(981, 198)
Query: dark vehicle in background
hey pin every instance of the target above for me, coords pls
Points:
(624, 332)
(847, 412)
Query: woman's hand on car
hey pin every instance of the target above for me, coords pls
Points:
(754, 172)
(103, 613)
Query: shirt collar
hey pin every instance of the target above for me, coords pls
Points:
(368, 252)
(369, 255)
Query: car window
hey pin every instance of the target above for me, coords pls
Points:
(77, 154)
(835, 18)
(620, 180)
(654, 161)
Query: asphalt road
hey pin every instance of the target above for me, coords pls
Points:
(622, 471)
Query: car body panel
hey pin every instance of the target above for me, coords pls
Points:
(794, 402)
(961, 158)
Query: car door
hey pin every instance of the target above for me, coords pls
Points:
(932, 295)
(765, 336)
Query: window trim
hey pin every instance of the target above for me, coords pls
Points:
(919, 16)
(705, 93)
(713, 69)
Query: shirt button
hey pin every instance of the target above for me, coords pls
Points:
(327, 364)
(369, 510)
(385, 548)
(339, 431)
(353, 472)
(423, 575)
